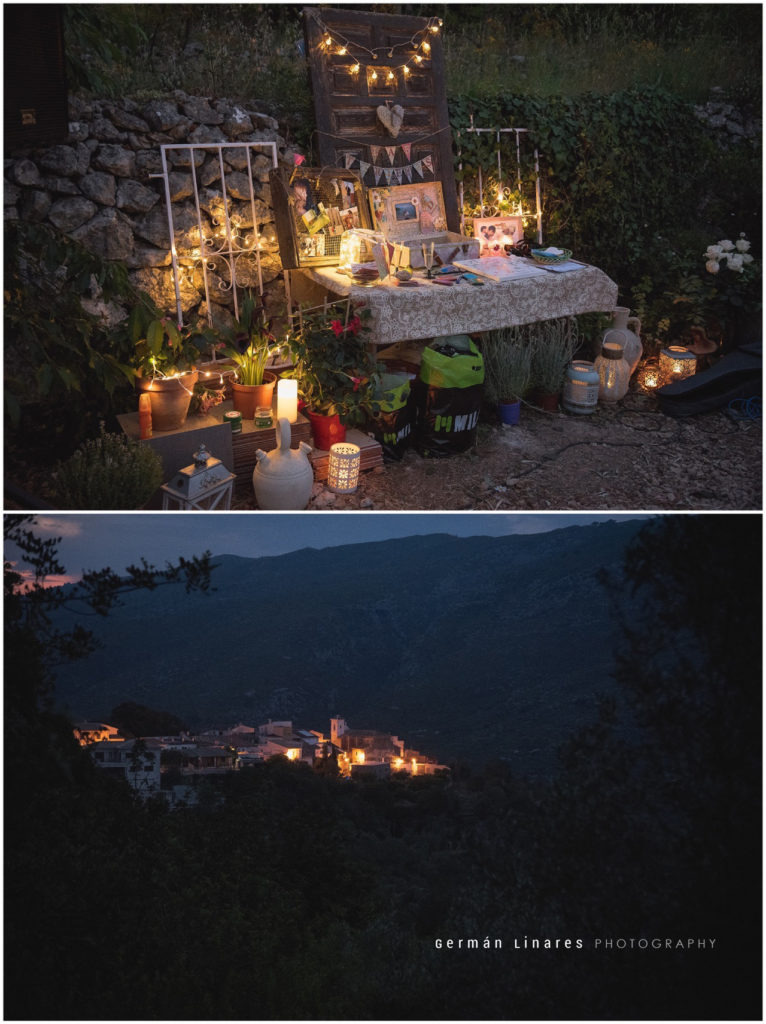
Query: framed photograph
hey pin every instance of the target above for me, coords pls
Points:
(406, 211)
(494, 233)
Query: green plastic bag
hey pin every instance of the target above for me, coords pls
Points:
(449, 396)
(392, 417)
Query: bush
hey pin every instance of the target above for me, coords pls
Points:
(110, 472)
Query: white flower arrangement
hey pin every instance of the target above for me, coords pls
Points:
(735, 254)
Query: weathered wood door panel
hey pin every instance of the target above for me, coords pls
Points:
(350, 87)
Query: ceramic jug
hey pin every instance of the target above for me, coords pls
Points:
(282, 479)
(633, 349)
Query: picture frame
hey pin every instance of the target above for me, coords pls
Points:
(406, 211)
(313, 207)
(494, 233)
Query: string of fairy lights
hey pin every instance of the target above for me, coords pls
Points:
(418, 45)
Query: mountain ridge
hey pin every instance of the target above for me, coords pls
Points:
(470, 646)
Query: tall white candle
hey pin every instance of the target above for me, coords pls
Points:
(287, 399)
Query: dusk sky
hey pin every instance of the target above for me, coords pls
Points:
(92, 541)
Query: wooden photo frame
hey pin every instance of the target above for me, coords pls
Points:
(494, 233)
(312, 208)
(406, 211)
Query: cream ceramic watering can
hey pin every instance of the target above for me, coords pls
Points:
(282, 479)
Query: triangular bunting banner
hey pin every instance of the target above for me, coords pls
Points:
(418, 166)
(407, 149)
(375, 153)
(378, 174)
(350, 160)
(363, 168)
(428, 163)
(407, 169)
(391, 150)
(397, 175)
(387, 172)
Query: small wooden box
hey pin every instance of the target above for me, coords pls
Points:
(448, 246)
(312, 209)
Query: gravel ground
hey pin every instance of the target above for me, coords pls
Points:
(625, 458)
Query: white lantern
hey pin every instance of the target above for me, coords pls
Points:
(205, 484)
(343, 474)
(613, 371)
(676, 363)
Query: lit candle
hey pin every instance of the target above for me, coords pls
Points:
(144, 416)
(287, 399)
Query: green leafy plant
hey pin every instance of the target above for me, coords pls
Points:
(334, 366)
(251, 342)
(110, 472)
(162, 349)
(507, 364)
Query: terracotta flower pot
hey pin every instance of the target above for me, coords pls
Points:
(327, 430)
(247, 398)
(170, 398)
(547, 400)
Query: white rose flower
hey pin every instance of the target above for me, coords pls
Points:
(735, 263)
(712, 266)
(742, 245)
(713, 252)
(746, 257)
(726, 244)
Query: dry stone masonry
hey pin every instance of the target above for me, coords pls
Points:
(98, 188)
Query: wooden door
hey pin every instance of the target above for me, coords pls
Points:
(360, 69)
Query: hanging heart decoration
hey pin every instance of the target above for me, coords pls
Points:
(391, 118)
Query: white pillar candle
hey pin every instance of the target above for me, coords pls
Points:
(287, 399)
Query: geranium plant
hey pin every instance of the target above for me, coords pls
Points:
(334, 366)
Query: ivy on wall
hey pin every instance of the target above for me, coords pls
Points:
(633, 181)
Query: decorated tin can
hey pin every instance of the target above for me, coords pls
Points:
(581, 387)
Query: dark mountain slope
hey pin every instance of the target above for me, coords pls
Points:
(466, 647)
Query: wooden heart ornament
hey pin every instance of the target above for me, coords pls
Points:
(391, 118)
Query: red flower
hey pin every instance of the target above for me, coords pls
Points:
(354, 324)
(336, 327)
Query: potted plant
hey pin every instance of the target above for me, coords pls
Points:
(507, 371)
(335, 370)
(553, 345)
(166, 358)
(250, 347)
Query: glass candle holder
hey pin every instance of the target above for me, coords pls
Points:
(676, 363)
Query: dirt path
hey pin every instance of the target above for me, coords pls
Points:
(631, 457)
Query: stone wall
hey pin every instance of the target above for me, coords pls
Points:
(97, 187)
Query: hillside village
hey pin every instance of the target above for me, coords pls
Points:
(172, 765)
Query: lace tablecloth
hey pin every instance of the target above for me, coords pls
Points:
(432, 310)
